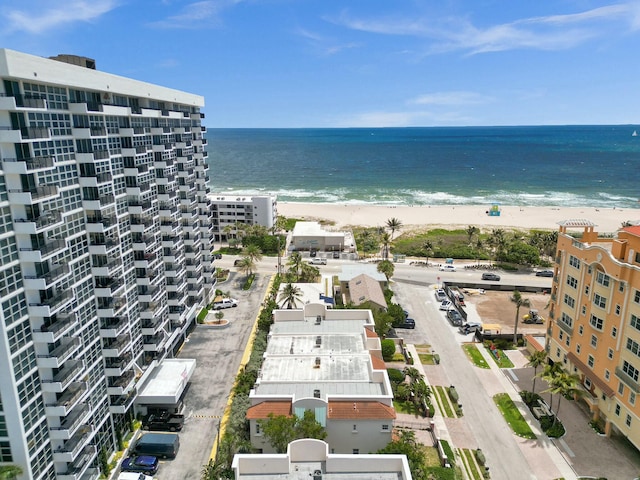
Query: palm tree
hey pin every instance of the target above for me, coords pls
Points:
(386, 268)
(228, 230)
(520, 301)
(549, 374)
(308, 273)
(471, 231)
(290, 296)
(497, 241)
(253, 252)
(385, 239)
(413, 373)
(428, 249)
(537, 358)
(295, 263)
(394, 224)
(9, 472)
(565, 385)
(246, 265)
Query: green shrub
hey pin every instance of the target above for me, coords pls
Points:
(529, 398)
(388, 349)
(453, 394)
(395, 375)
(555, 431)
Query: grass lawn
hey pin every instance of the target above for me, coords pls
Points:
(442, 397)
(475, 356)
(407, 407)
(513, 416)
(503, 361)
(398, 357)
(470, 465)
(426, 358)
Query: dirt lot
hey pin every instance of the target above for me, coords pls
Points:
(495, 307)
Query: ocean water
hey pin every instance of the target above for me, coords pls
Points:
(528, 166)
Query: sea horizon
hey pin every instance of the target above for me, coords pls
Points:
(579, 165)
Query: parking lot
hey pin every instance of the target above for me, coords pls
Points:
(218, 352)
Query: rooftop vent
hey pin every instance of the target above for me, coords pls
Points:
(317, 475)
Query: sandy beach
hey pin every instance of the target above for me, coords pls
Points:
(608, 220)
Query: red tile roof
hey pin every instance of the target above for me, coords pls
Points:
(371, 333)
(377, 362)
(633, 230)
(262, 410)
(360, 411)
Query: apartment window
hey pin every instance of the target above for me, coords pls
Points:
(567, 320)
(630, 370)
(574, 261)
(600, 301)
(621, 287)
(356, 451)
(620, 388)
(355, 428)
(568, 341)
(584, 309)
(607, 375)
(580, 329)
(578, 348)
(572, 282)
(618, 309)
(610, 353)
(632, 398)
(602, 279)
(586, 290)
(587, 383)
(570, 301)
(5, 452)
(596, 322)
(614, 332)
(590, 360)
(258, 431)
(558, 352)
(628, 420)
(633, 347)
(594, 341)
(385, 428)
(635, 322)
(617, 409)
(560, 335)
(636, 296)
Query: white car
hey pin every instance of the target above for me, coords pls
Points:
(441, 295)
(447, 268)
(318, 261)
(134, 476)
(446, 305)
(225, 303)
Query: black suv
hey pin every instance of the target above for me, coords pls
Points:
(407, 323)
(454, 317)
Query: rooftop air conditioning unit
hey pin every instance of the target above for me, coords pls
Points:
(317, 475)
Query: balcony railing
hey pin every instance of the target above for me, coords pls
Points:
(627, 380)
(34, 163)
(70, 397)
(52, 275)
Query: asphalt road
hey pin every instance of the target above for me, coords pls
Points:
(218, 353)
(483, 419)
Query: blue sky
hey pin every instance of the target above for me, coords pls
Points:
(373, 63)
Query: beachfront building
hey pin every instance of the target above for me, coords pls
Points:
(330, 362)
(229, 213)
(105, 242)
(307, 236)
(594, 326)
(309, 459)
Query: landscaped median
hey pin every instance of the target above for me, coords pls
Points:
(475, 355)
(513, 416)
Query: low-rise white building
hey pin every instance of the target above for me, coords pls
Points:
(330, 362)
(309, 459)
(311, 236)
(241, 209)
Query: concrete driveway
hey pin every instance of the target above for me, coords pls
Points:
(218, 353)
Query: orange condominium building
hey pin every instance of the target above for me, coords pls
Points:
(594, 325)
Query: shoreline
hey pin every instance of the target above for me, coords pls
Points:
(607, 220)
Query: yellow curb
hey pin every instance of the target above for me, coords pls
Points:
(245, 359)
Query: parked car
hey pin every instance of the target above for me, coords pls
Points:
(470, 327)
(447, 268)
(163, 445)
(336, 254)
(312, 252)
(446, 305)
(318, 261)
(408, 323)
(219, 304)
(544, 273)
(454, 317)
(441, 295)
(142, 463)
(237, 262)
(491, 276)
(166, 421)
(134, 476)
(217, 256)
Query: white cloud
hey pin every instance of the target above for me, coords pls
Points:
(451, 98)
(33, 18)
(542, 33)
(324, 46)
(197, 14)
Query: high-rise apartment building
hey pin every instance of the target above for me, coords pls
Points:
(105, 244)
(594, 326)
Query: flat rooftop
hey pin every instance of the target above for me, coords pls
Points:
(305, 471)
(337, 368)
(309, 326)
(332, 389)
(167, 382)
(308, 344)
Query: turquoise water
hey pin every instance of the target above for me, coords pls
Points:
(528, 166)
